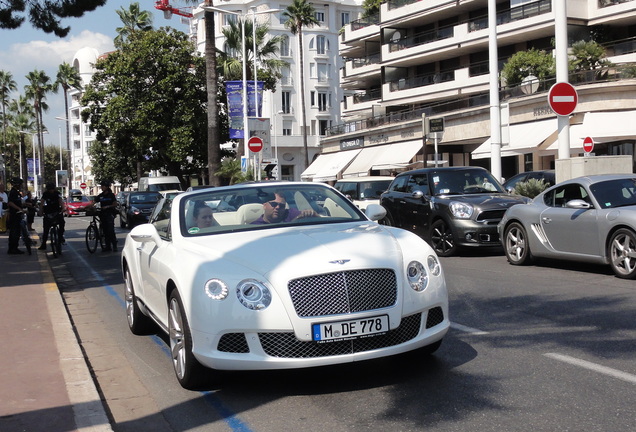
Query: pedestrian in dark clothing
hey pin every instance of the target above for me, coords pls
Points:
(108, 206)
(15, 215)
(52, 208)
(30, 203)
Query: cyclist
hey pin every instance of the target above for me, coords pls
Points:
(52, 208)
(108, 206)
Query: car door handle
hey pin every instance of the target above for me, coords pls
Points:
(546, 220)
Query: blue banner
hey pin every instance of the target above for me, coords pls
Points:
(234, 90)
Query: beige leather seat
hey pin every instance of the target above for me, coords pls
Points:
(248, 213)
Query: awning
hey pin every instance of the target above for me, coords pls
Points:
(524, 138)
(551, 145)
(327, 166)
(610, 126)
(388, 156)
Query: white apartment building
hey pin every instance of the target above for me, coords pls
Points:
(431, 57)
(321, 71)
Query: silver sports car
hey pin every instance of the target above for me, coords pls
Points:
(590, 219)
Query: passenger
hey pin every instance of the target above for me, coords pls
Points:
(202, 215)
(275, 212)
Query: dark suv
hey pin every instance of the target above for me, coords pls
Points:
(450, 207)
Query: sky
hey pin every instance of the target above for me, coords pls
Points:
(26, 49)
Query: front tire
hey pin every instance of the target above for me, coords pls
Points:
(91, 238)
(190, 373)
(516, 245)
(55, 242)
(138, 323)
(442, 239)
(622, 253)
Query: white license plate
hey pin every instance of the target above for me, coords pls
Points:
(350, 329)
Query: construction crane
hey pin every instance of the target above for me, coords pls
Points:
(164, 5)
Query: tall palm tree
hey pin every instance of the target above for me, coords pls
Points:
(39, 85)
(301, 14)
(22, 119)
(7, 85)
(214, 149)
(133, 19)
(230, 63)
(67, 78)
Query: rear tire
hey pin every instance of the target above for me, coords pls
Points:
(622, 253)
(55, 242)
(442, 239)
(138, 323)
(91, 238)
(516, 245)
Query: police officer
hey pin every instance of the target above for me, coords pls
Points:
(52, 207)
(108, 204)
(15, 216)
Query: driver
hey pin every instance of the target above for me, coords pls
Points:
(275, 211)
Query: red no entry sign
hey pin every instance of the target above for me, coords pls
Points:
(255, 144)
(588, 145)
(563, 98)
(83, 185)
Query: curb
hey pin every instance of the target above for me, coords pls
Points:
(88, 408)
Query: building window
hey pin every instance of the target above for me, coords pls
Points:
(77, 145)
(286, 102)
(284, 46)
(323, 125)
(320, 44)
(323, 72)
(229, 19)
(320, 16)
(287, 128)
(287, 172)
(344, 19)
(322, 101)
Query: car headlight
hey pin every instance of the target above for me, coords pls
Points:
(253, 294)
(461, 210)
(433, 265)
(417, 276)
(135, 210)
(216, 289)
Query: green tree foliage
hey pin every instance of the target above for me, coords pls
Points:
(7, 85)
(541, 64)
(133, 19)
(67, 78)
(44, 15)
(531, 188)
(147, 104)
(588, 55)
(371, 7)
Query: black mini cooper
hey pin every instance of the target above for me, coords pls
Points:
(450, 207)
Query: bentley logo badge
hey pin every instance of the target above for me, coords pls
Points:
(342, 261)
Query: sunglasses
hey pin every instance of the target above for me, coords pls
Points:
(275, 204)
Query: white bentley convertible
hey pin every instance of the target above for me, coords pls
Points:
(280, 275)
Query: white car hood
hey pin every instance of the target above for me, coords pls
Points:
(320, 248)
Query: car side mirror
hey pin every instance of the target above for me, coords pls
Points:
(375, 212)
(418, 194)
(145, 233)
(578, 204)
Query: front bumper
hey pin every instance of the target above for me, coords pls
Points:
(469, 233)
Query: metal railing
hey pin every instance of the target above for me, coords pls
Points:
(507, 16)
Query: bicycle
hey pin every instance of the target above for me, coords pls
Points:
(24, 232)
(55, 237)
(94, 232)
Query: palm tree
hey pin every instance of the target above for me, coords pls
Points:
(230, 63)
(133, 19)
(67, 77)
(22, 119)
(7, 85)
(39, 85)
(301, 14)
(214, 149)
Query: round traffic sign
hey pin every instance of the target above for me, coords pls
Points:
(563, 98)
(588, 144)
(83, 185)
(255, 144)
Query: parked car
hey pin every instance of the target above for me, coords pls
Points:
(137, 208)
(363, 190)
(589, 219)
(547, 176)
(76, 204)
(451, 207)
(317, 290)
(121, 197)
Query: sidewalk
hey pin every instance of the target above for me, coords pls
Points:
(45, 381)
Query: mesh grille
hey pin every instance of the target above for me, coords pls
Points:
(435, 316)
(233, 343)
(491, 216)
(286, 345)
(343, 292)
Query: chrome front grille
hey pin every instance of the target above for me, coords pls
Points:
(286, 345)
(343, 292)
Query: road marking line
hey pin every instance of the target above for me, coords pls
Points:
(593, 367)
(467, 329)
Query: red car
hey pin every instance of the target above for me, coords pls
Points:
(76, 204)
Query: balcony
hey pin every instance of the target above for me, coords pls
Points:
(515, 14)
(358, 66)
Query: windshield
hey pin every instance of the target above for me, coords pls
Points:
(156, 187)
(141, 198)
(258, 206)
(461, 182)
(615, 193)
(79, 199)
